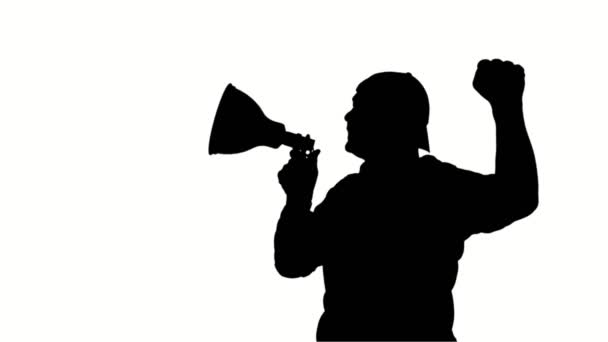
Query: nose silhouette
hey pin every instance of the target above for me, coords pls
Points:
(349, 115)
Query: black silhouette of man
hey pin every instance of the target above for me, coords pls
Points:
(389, 237)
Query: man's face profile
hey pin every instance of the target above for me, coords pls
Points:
(374, 126)
(355, 123)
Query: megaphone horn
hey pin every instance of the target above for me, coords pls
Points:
(240, 125)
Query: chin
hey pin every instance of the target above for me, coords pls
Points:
(354, 150)
(349, 147)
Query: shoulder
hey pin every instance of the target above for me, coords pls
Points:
(344, 188)
(345, 185)
(431, 165)
(338, 195)
(440, 170)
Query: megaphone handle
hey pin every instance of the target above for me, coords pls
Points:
(297, 141)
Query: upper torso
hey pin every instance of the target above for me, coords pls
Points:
(390, 251)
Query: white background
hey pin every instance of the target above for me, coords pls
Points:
(115, 224)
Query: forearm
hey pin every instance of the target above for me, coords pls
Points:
(293, 241)
(515, 161)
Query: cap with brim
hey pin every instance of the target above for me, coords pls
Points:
(403, 86)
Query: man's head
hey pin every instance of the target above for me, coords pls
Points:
(390, 113)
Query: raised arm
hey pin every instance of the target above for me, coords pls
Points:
(515, 180)
(295, 243)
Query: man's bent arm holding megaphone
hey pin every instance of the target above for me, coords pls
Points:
(295, 252)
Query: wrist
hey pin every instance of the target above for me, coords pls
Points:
(508, 110)
(509, 103)
(298, 202)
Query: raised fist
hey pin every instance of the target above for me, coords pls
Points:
(299, 176)
(499, 81)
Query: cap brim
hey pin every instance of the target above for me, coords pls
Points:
(424, 141)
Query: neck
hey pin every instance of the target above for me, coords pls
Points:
(395, 161)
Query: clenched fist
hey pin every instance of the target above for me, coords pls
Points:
(499, 82)
(299, 176)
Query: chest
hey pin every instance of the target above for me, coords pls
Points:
(392, 222)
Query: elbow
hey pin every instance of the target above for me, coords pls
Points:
(291, 266)
(526, 206)
(519, 199)
(289, 271)
(531, 204)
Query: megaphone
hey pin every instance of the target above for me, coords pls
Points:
(240, 125)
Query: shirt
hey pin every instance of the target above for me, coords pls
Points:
(389, 240)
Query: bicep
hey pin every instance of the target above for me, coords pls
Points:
(482, 204)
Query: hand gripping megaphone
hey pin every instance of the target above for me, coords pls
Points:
(240, 125)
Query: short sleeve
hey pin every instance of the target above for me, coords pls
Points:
(474, 202)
